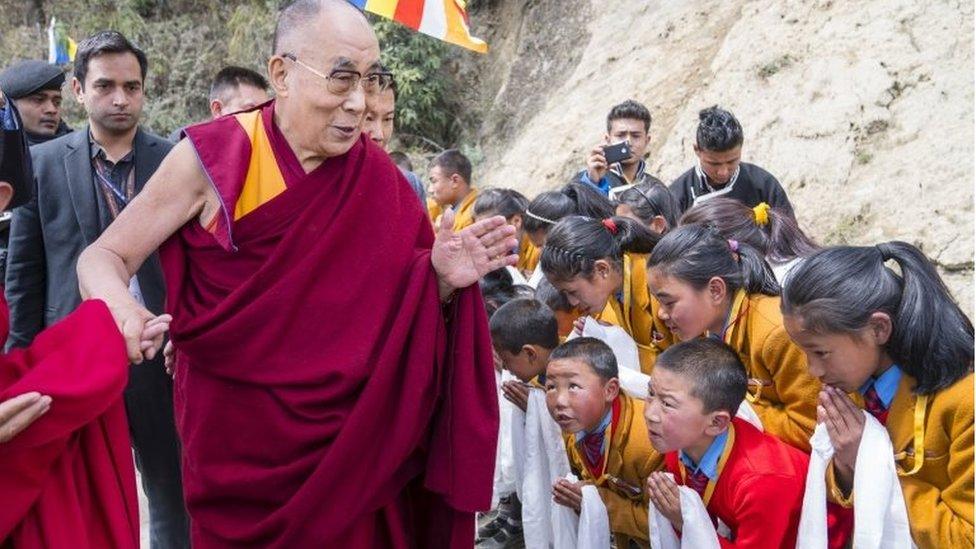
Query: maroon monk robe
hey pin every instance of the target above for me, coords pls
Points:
(320, 396)
(67, 481)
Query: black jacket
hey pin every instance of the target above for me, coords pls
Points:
(65, 215)
(753, 186)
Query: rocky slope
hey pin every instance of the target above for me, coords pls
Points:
(864, 110)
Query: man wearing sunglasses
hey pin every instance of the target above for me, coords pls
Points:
(333, 372)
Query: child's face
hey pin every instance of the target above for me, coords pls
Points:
(842, 360)
(687, 312)
(590, 295)
(675, 418)
(577, 398)
(526, 364)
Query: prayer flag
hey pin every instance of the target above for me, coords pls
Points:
(61, 48)
(446, 20)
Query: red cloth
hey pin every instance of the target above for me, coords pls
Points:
(67, 481)
(320, 397)
(759, 493)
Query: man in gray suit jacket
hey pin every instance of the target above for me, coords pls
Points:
(82, 182)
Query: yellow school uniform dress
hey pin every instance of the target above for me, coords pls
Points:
(781, 389)
(463, 214)
(938, 487)
(630, 458)
(528, 256)
(636, 312)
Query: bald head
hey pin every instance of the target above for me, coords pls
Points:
(319, 46)
(297, 18)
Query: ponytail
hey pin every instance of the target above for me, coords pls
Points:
(772, 231)
(696, 253)
(576, 243)
(838, 289)
(649, 200)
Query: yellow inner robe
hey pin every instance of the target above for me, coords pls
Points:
(637, 314)
(463, 216)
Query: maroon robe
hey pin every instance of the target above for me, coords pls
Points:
(67, 480)
(321, 397)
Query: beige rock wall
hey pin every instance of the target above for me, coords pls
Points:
(864, 110)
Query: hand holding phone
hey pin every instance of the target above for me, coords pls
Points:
(616, 152)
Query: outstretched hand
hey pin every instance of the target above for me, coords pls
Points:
(461, 258)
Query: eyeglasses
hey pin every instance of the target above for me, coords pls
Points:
(342, 81)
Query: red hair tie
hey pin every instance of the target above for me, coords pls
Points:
(610, 225)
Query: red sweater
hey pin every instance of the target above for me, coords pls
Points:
(759, 493)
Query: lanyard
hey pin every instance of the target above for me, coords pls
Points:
(756, 385)
(918, 433)
(113, 197)
(710, 487)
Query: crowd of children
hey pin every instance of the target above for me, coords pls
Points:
(749, 335)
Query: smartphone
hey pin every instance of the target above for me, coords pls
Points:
(616, 152)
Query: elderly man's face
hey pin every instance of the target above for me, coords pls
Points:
(379, 117)
(40, 111)
(317, 121)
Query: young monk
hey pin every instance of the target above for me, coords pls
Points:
(605, 437)
(747, 479)
(707, 284)
(511, 205)
(66, 472)
(450, 187)
(905, 348)
(523, 333)
(600, 266)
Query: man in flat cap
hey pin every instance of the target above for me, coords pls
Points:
(35, 88)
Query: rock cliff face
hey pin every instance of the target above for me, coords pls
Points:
(863, 110)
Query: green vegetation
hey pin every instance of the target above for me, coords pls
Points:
(187, 42)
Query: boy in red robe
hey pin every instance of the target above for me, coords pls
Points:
(66, 472)
(750, 481)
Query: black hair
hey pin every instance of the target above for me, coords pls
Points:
(503, 202)
(718, 130)
(630, 110)
(103, 42)
(550, 207)
(452, 161)
(649, 200)
(717, 376)
(401, 159)
(696, 253)
(836, 290)
(523, 322)
(552, 297)
(590, 350)
(576, 243)
(498, 288)
(233, 77)
(779, 239)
